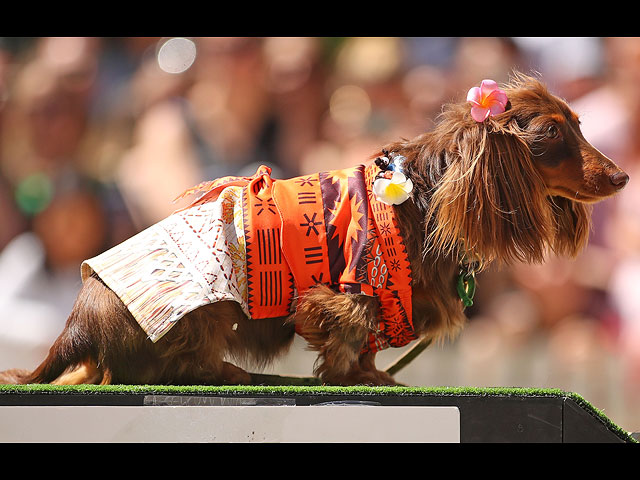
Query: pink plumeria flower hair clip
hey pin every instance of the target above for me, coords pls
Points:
(486, 100)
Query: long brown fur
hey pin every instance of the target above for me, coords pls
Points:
(510, 189)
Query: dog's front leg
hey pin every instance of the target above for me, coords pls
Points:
(337, 325)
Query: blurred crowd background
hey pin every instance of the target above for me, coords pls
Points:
(98, 135)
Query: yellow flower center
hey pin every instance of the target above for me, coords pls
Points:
(394, 190)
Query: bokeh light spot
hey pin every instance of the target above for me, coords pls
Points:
(176, 55)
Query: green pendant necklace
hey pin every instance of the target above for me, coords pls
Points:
(467, 284)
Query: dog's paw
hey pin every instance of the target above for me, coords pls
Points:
(378, 378)
(360, 377)
(232, 375)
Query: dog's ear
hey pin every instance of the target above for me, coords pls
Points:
(491, 202)
(572, 224)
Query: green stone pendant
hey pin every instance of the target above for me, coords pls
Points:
(467, 286)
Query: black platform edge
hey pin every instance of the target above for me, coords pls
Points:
(554, 417)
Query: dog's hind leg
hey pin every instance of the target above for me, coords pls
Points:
(197, 349)
(86, 372)
(337, 325)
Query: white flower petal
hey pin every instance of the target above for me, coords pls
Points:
(379, 185)
(408, 186)
(398, 177)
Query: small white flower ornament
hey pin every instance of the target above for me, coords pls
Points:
(391, 186)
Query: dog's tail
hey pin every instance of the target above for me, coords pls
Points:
(13, 376)
(48, 371)
(51, 370)
(72, 357)
(65, 364)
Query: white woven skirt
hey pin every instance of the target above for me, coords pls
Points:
(191, 258)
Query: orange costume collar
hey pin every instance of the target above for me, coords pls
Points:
(326, 228)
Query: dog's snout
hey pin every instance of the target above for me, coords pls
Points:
(619, 179)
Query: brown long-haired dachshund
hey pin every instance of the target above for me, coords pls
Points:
(512, 187)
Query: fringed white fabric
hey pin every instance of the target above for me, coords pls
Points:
(193, 257)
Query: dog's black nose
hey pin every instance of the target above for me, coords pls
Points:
(619, 179)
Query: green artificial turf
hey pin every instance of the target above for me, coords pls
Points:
(307, 390)
(278, 390)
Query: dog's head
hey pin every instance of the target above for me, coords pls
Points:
(510, 187)
(570, 166)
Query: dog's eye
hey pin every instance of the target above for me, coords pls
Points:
(552, 131)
